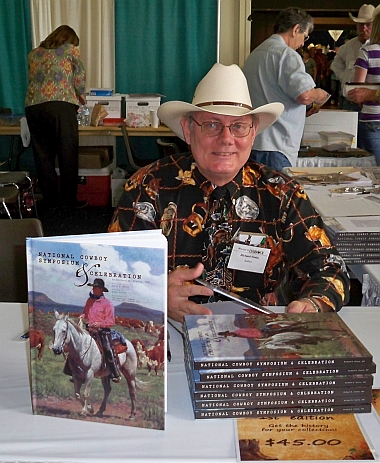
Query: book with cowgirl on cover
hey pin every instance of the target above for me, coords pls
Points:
(99, 302)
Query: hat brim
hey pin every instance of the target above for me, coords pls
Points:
(97, 286)
(171, 113)
(360, 20)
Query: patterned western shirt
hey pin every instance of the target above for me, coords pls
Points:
(55, 75)
(173, 195)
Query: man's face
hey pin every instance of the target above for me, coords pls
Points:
(219, 158)
(97, 291)
(364, 31)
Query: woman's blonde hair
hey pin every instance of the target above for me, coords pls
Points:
(63, 34)
(375, 33)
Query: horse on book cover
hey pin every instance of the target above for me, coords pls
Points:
(86, 363)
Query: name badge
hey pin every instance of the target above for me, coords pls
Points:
(248, 258)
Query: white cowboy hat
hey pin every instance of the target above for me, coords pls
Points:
(223, 90)
(365, 14)
(376, 11)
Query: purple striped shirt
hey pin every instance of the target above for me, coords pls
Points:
(369, 59)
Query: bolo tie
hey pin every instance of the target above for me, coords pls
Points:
(217, 238)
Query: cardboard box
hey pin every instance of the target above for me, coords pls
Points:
(142, 103)
(95, 157)
(112, 104)
(94, 186)
(117, 188)
(329, 120)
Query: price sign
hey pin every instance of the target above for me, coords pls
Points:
(316, 437)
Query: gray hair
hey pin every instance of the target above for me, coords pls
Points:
(292, 16)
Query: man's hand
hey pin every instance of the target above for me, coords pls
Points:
(180, 289)
(304, 305)
(359, 95)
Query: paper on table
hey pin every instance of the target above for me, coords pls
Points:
(293, 171)
(360, 224)
(327, 437)
(342, 205)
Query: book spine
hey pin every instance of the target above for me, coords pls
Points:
(356, 236)
(247, 375)
(339, 381)
(286, 411)
(353, 394)
(290, 364)
(280, 402)
(360, 260)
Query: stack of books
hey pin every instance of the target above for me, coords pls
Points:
(268, 365)
(357, 239)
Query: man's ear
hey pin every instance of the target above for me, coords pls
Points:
(185, 123)
(295, 30)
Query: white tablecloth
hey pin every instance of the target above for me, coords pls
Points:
(28, 438)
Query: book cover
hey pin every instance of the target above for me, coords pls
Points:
(376, 402)
(118, 280)
(302, 438)
(349, 229)
(275, 344)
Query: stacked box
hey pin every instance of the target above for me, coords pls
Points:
(143, 103)
(112, 104)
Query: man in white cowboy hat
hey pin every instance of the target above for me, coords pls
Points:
(343, 64)
(276, 72)
(237, 224)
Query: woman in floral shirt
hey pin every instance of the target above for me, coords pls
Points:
(56, 88)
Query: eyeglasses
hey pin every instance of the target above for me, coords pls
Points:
(213, 128)
(305, 37)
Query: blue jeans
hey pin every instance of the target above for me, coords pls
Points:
(351, 106)
(369, 138)
(274, 159)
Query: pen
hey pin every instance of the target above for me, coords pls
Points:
(25, 335)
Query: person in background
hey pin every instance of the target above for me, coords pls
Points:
(310, 64)
(321, 60)
(56, 86)
(343, 64)
(276, 72)
(213, 202)
(368, 70)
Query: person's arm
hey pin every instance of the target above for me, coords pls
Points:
(314, 95)
(360, 95)
(360, 74)
(313, 261)
(79, 75)
(338, 65)
(109, 314)
(315, 73)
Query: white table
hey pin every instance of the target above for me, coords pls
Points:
(28, 438)
(348, 206)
